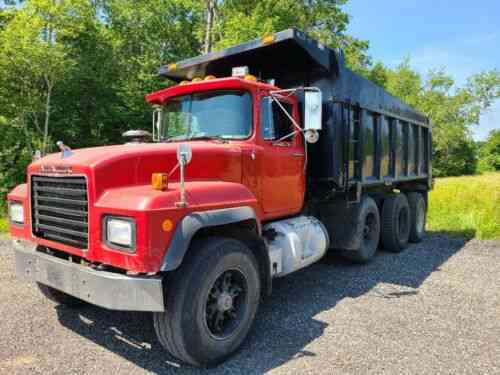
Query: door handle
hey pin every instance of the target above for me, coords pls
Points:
(297, 154)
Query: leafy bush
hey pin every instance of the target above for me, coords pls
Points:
(489, 153)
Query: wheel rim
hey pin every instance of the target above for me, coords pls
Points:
(370, 229)
(420, 219)
(226, 304)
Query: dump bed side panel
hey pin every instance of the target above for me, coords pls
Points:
(369, 137)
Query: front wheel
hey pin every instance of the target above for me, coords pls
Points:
(211, 302)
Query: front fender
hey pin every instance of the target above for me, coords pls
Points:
(210, 203)
(195, 221)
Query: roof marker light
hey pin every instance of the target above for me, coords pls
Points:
(172, 67)
(209, 77)
(268, 39)
(250, 77)
(240, 71)
(182, 83)
(196, 79)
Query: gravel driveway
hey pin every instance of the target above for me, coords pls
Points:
(433, 309)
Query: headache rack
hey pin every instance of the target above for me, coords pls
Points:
(59, 207)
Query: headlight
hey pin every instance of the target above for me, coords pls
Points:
(120, 232)
(16, 212)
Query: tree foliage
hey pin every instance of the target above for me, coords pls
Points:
(489, 153)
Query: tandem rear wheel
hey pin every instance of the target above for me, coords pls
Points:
(210, 302)
(395, 223)
(400, 220)
(367, 232)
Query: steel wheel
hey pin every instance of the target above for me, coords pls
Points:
(226, 304)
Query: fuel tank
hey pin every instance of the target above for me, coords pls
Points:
(295, 243)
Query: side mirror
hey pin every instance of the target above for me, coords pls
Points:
(312, 110)
(184, 154)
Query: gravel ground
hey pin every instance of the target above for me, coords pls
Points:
(433, 309)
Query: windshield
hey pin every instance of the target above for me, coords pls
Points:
(216, 114)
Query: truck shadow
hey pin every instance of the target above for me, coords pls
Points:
(286, 323)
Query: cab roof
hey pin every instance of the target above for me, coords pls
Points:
(230, 83)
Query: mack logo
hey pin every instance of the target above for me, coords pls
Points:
(60, 169)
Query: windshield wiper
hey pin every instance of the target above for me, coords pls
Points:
(196, 138)
(207, 137)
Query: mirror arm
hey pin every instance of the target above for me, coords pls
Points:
(285, 137)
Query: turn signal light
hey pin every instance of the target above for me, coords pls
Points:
(159, 181)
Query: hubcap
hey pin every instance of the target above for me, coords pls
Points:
(226, 304)
(369, 228)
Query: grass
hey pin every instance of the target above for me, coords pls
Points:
(466, 206)
(4, 225)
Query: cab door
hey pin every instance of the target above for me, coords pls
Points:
(282, 162)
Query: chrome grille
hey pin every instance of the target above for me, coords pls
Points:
(59, 207)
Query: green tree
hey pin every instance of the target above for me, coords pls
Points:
(489, 153)
(236, 21)
(34, 59)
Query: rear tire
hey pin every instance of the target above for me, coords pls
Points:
(418, 213)
(59, 297)
(395, 223)
(368, 232)
(210, 302)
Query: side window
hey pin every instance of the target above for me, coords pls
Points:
(275, 124)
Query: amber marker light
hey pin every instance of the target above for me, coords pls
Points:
(210, 77)
(182, 83)
(250, 77)
(268, 39)
(172, 67)
(167, 225)
(159, 181)
(196, 79)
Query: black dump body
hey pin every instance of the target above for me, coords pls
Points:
(369, 137)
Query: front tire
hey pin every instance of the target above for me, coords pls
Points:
(211, 302)
(59, 297)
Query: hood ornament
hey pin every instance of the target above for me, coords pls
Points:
(65, 150)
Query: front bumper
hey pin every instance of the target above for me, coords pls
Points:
(110, 290)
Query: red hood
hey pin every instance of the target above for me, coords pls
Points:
(133, 164)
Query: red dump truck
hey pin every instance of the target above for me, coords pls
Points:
(262, 157)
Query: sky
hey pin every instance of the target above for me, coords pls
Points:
(461, 36)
